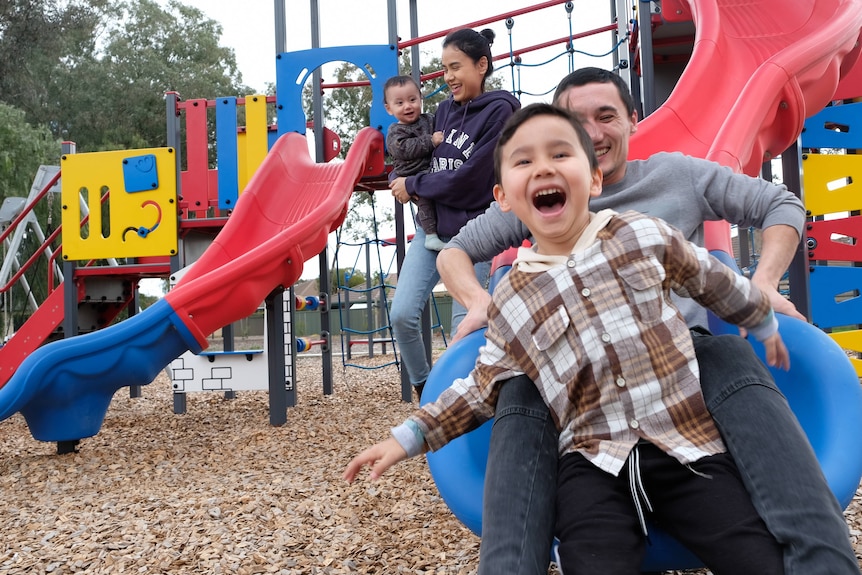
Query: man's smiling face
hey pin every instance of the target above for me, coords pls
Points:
(602, 112)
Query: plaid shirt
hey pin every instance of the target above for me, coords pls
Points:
(610, 354)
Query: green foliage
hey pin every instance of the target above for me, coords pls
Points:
(145, 301)
(346, 277)
(95, 71)
(22, 149)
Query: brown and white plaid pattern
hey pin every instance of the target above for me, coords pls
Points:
(608, 351)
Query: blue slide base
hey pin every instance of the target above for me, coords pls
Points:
(63, 389)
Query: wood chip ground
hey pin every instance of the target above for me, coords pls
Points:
(219, 490)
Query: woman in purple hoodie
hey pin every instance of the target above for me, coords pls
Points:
(460, 184)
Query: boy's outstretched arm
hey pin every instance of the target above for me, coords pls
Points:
(379, 457)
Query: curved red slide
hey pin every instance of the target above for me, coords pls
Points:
(284, 217)
(758, 69)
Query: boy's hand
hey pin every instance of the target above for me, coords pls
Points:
(776, 352)
(437, 138)
(380, 457)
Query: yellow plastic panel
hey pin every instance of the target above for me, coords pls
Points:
(255, 140)
(138, 219)
(832, 183)
(850, 340)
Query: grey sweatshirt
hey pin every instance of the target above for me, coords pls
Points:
(682, 190)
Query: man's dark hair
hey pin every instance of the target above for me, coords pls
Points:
(584, 76)
(517, 119)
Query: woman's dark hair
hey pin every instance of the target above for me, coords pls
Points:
(474, 44)
(518, 119)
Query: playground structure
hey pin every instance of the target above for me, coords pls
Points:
(770, 83)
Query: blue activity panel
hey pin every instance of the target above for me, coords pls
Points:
(292, 70)
(835, 297)
(834, 127)
(227, 153)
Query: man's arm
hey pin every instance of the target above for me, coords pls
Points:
(779, 247)
(479, 240)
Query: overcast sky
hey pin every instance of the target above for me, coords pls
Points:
(250, 30)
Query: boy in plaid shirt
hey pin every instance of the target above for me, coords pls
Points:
(586, 314)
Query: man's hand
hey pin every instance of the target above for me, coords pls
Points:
(779, 303)
(456, 271)
(476, 318)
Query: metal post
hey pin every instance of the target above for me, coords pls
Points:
(280, 27)
(369, 311)
(323, 258)
(645, 8)
(800, 294)
(275, 357)
(70, 284)
(172, 117)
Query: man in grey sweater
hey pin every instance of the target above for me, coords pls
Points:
(776, 461)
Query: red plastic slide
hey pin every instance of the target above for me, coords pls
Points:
(758, 69)
(283, 218)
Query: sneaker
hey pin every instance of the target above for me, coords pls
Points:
(418, 389)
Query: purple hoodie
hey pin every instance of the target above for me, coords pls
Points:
(461, 181)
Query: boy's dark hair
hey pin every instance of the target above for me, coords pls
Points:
(397, 81)
(517, 119)
(474, 44)
(591, 75)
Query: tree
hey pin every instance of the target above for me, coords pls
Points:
(349, 277)
(95, 71)
(38, 38)
(22, 149)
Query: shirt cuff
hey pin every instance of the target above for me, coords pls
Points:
(766, 329)
(409, 437)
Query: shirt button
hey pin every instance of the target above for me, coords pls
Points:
(634, 424)
(621, 382)
(606, 337)
(570, 263)
(585, 292)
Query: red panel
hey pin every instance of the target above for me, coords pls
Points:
(194, 181)
(822, 246)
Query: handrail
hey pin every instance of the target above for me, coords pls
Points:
(503, 56)
(43, 247)
(482, 22)
(29, 207)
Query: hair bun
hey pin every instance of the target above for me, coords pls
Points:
(489, 35)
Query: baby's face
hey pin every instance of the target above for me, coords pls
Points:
(404, 102)
(546, 180)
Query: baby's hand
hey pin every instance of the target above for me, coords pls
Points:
(776, 352)
(380, 457)
(437, 138)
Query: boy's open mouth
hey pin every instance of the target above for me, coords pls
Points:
(549, 200)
